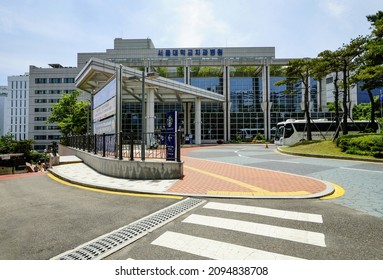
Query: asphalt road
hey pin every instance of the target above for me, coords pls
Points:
(41, 218)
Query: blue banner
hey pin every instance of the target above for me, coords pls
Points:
(171, 140)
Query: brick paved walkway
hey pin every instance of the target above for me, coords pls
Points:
(206, 177)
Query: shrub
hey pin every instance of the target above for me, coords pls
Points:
(362, 144)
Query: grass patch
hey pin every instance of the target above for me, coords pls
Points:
(325, 148)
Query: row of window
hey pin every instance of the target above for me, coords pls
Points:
(19, 84)
(18, 94)
(47, 137)
(40, 119)
(21, 110)
(52, 100)
(52, 91)
(18, 128)
(54, 80)
(14, 104)
(20, 119)
(44, 127)
(43, 110)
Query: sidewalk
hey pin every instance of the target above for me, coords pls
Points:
(202, 178)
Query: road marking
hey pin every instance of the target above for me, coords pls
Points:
(363, 170)
(296, 235)
(214, 249)
(290, 215)
(112, 192)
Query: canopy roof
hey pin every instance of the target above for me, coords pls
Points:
(97, 72)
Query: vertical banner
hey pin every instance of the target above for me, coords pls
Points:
(171, 140)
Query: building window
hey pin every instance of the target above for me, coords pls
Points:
(54, 137)
(40, 91)
(69, 80)
(39, 147)
(40, 110)
(40, 101)
(55, 80)
(40, 137)
(40, 127)
(54, 91)
(40, 119)
(40, 80)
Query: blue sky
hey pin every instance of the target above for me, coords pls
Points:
(39, 32)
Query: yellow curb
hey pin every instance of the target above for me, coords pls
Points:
(111, 192)
(339, 191)
(259, 194)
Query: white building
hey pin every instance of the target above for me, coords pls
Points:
(17, 107)
(46, 86)
(3, 101)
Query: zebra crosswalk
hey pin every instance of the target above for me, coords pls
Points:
(219, 250)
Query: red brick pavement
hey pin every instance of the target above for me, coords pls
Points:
(21, 175)
(207, 177)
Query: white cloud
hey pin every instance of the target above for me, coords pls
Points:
(194, 23)
(335, 8)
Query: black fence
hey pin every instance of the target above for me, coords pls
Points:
(126, 145)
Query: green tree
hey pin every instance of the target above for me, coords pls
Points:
(299, 71)
(326, 63)
(71, 115)
(349, 58)
(370, 72)
(7, 145)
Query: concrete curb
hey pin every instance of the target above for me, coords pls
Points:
(328, 156)
(328, 191)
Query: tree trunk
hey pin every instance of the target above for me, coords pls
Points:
(373, 105)
(307, 108)
(336, 100)
(345, 107)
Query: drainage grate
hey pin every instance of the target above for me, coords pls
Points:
(109, 243)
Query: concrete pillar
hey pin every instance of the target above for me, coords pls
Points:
(187, 117)
(187, 105)
(198, 122)
(150, 111)
(266, 104)
(226, 104)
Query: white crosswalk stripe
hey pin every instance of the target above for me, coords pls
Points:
(212, 249)
(297, 235)
(215, 249)
(290, 215)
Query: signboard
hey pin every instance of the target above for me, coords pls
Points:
(104, 109)
(171, 135)
(190, 52)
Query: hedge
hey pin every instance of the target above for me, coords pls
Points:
(369, 144)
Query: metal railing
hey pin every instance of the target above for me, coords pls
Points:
(126, 146)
